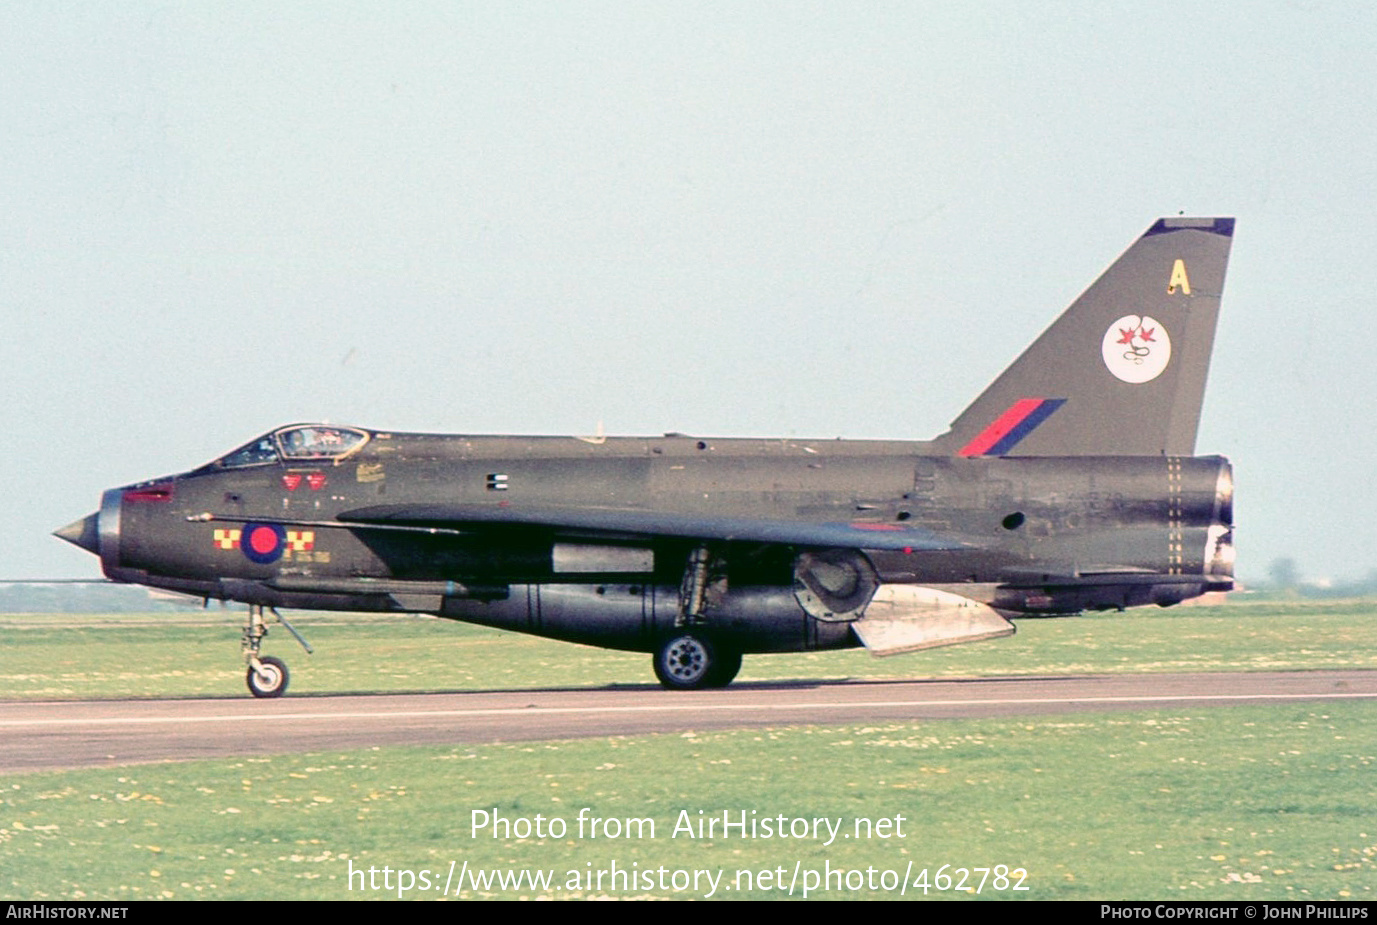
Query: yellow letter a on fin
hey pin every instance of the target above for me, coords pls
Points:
(1178, 278)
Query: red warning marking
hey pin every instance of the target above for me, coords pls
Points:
(291, 481)
(316, 480)
(156, 494)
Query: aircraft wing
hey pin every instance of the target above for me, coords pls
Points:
(638, 523)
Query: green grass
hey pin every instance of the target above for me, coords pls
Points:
(175, 655)
(1231, 803)
(1238, 803)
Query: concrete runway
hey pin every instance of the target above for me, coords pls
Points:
(57, 735)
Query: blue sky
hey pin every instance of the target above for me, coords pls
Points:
(731, 219)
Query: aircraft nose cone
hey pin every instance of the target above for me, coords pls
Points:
(84, 533)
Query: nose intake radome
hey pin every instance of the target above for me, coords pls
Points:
(84, 533)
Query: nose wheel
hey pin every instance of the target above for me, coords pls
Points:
(268, 678)
(267, 675)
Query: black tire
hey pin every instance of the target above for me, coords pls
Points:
(724, 670)
(689, 661)
(275, 682)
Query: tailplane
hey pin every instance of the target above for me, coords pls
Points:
(1122, 371)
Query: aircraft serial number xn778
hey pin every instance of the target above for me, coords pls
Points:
(1070, 484)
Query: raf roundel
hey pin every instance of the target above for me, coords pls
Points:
(263, 543)
(1136, 348)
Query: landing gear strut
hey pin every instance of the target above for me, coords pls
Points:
(267, 676)
(688, 658)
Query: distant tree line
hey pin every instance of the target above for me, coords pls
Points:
(1283, 576)
(56, 597)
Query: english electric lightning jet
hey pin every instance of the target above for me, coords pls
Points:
(1070, 484)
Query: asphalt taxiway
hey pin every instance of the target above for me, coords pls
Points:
(72, 734)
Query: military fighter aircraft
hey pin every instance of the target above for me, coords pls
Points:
(1070, 484)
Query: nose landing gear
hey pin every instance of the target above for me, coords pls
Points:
(267, 676)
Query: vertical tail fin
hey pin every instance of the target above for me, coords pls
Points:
(1122, 371)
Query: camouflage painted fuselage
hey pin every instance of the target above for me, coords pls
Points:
(1032, 535)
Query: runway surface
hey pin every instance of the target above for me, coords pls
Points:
(54, 735)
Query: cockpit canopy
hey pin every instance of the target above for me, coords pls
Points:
(297, 443)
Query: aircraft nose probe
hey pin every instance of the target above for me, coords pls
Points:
(99, 533)
(84, 533)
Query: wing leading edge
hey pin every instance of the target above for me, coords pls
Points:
(636, 523)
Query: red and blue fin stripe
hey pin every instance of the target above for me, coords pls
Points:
(1020, 420)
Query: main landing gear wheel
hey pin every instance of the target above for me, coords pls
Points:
(724, 672)
(690, 662)
(269, 679)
